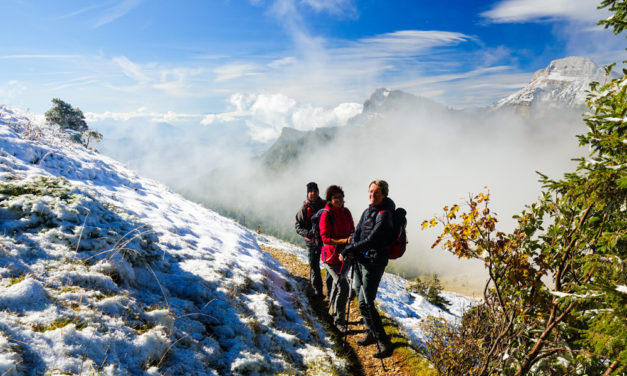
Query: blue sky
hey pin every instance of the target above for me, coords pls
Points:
(201, 60)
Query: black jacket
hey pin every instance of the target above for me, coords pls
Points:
(303, 222)
(374, 233)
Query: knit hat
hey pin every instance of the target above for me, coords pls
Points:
(312, 187)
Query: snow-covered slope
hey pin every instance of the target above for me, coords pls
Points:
(105, 272)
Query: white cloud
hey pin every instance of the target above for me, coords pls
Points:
(119, 10)
(225, 117)
(142, 112)
(177, 81)
(232, 71)
(265, 115)
(132, 70)
(279, 63)
(10, 90)
(406, 43)
(335, 7)
(534, 10)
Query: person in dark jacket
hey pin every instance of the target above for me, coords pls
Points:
(336, 228)
(304, 229)
(374, 233)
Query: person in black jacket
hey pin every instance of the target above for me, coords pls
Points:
(304, 229)
(374, 233)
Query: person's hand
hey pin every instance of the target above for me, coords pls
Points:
(341, 258)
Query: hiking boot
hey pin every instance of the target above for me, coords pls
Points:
(384, 349)
(341, 327)
(366, 340)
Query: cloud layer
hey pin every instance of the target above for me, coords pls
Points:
(265, 115)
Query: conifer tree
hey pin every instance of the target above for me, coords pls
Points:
(67, 117)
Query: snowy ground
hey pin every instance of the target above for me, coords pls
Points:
(102, 270)
(105, 271)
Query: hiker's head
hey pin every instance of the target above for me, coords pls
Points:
(335, 195)
(312, 191)
(377, 191)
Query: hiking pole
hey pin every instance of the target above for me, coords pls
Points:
(348, 308)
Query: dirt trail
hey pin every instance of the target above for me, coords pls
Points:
(363, 361)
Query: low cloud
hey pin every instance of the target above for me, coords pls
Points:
(10, 90)
(265, 115)
(141, 113)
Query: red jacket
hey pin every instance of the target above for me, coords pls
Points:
(335, 223)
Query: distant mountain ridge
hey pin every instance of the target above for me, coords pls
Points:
(563, 84)
(292, 142)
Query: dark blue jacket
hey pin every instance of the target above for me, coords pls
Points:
(374, 233)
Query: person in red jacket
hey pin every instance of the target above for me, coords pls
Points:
(336, 228)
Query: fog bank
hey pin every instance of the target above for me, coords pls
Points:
(431, 157)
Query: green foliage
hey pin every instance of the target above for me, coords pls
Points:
(617, 20)
(91, 135)
(431, 289)
(67, 117)
(574, 236)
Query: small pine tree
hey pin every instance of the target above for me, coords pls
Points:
(434, 292)
(431, 290)
(67, 117)
(91, 135)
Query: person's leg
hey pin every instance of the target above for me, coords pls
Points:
(371, 279)
(333, 274)
(314, 269)
(368, 338)
(341, 296)
(329, 283)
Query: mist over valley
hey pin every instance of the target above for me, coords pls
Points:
(431, 155)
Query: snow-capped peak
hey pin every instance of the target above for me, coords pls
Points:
(563, 83)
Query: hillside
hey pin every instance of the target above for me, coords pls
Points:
(103, 271)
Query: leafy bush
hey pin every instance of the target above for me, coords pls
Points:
(574, 236)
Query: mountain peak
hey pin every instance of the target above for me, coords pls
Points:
(383, 99)
(570, 67)
(563, 83)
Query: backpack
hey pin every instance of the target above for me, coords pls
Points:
(315, 225)
(310, 213)
(398, 243)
